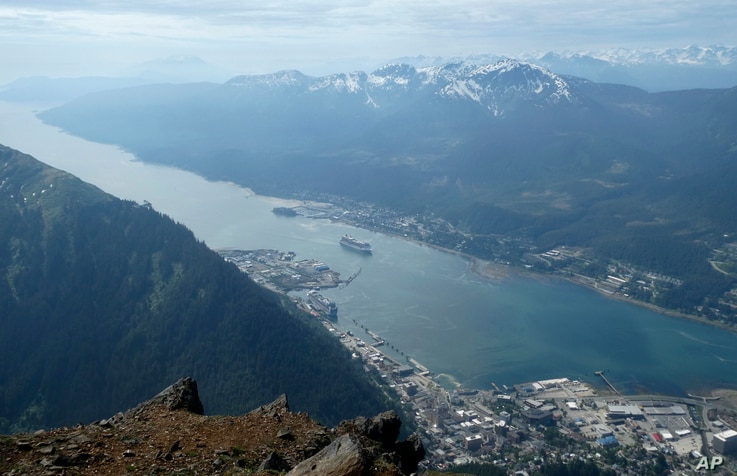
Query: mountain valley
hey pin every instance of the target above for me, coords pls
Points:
(506, 150)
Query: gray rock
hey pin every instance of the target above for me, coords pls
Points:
(47, 450)
(75, 460)
(274, 462)
(384, 428)
(176, 446)
(285, 434)
(24, 445)
(182, 395)
(342, 457)
(411, 451)
(81, 439)
(275, 408)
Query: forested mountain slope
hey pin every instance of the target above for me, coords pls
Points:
(102, 301)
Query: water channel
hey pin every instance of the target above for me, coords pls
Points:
(425, 302)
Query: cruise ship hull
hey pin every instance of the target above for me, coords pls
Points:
(356, 248)
(355, 245)
(323, 305)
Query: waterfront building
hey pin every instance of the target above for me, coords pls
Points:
(404, 371)
(620, 412)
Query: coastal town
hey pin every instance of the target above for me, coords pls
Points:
(615, 278)
(519, 428)
(523, 426)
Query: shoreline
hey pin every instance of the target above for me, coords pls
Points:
(494, 272)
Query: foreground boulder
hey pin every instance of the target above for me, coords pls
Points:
(345, 456)
(169, 434)
(366, 446)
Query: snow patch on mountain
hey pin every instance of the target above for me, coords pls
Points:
(693, 55)
(392, 75)
(351, 83)
(492, 86)
(278, 80)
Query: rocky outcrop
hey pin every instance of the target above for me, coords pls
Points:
(275, 408)
(345, 456)
(365, 446)
(169, 434)
(182, 395)
(410, 452)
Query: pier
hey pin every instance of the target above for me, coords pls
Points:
(424, 370)
(600, 373)
(350, 278)
(705, 399)
(376, 337)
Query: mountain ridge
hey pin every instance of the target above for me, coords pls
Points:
(102, 299)
(477, 83)
(652, 69)
(169, 433)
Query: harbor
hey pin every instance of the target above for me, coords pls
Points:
(462, 425)
(281, 272)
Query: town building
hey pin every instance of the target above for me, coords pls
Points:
(725, 442)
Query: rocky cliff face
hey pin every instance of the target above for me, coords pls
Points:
(169, 434)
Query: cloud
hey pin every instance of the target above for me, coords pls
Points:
(301, 32)
(227, 19)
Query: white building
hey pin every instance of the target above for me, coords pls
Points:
(725, 442)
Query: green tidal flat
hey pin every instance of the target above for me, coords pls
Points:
(427, 303)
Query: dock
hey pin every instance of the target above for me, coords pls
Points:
(418, 365)
(705, 399)
(350, 278)
(376, 337)
(600, 373)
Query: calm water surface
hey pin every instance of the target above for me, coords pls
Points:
(424, 302)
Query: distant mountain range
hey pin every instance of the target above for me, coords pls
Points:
(654, 70)
(650, 69)
(714, 56)
(492, 86)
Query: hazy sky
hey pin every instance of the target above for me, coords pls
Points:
(81, 37)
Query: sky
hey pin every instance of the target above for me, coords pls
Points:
(72, 38)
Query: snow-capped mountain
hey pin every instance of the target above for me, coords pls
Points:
(508, 80)
(720, 56)
(496, 87)
(651, 69)
(279, 80)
